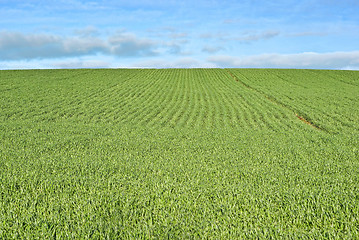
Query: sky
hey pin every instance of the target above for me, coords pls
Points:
(320, 34)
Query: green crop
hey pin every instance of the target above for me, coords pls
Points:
(179, 153)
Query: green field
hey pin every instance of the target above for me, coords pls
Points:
(179, 154)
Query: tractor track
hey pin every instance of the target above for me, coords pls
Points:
(277, 102)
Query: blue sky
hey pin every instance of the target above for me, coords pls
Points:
(215, 33)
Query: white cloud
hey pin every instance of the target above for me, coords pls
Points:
(128, 44)
(245, 37)
(211, 49)
(178, 35)
(81, 64)
(19, 46)
(251, 37)
(210, 35)
(350, 68)
(176, 63)
(333, 60)
(70, 62)
(307, 34)
(89, 31)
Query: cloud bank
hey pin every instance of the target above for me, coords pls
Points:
(332, 60)
(20, 46)
(246, 38)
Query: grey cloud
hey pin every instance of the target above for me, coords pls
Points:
(352, 68)
(15, 46)
(229, 21)
(89, 31)
(162, 30)
(305, 34)
(176, 63)
(206, 35)
(169, 29)
(126, 44)
(257, 36)
(168, 32)
(175, 46)
(81, 64)
(246, 37)
(18, 46)
(116, 4)
(209, 49)
(333, 60)
(178, 35)
(220, 36)
(245, 21)
(83, 46)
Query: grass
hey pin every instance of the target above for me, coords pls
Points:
(179, 153)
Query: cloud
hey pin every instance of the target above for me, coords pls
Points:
(178, 35)
(175, 47)
(332, 60)
(257, 36)
(350, 68)
(59, 5)
(229, 21)
(15, 46)
(19, 46)
(186, 62)
(246, 21)
(89, 31)
(306, 34)
(81, 64)
(127, 44)
(219, 35)
(209, 49)
(168, 33)
(246, 37)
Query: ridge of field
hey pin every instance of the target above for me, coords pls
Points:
(179, 153)
(329, 98)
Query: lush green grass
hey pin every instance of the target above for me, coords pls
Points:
(175, 153)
